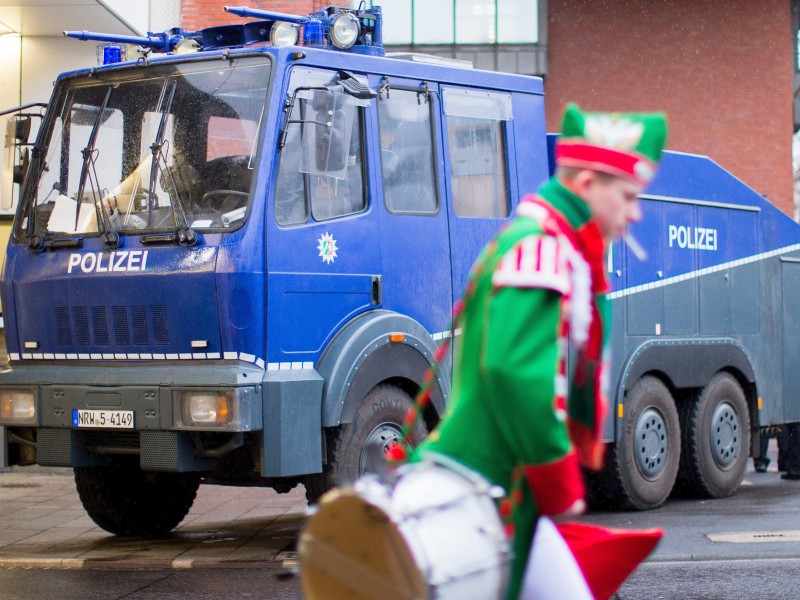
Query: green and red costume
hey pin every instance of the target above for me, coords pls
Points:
(517, 415)
(515, 409)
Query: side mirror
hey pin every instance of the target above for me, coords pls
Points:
(331, 150)
(22, 129)
(328, 99)
(326, 140)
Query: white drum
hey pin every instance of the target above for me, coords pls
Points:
(433, 533)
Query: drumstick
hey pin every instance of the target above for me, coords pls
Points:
(635, 246)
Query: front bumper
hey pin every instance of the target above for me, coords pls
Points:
(279, 411)
(160, 433)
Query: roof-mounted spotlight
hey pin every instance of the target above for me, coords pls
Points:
(345, 30)
(186, 46)
(283, 33)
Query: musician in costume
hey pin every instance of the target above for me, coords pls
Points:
(517, 415)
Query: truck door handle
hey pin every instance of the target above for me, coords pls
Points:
(377, 290)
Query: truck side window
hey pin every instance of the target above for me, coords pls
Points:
(407, 152)
(328, 185)
(477, 143)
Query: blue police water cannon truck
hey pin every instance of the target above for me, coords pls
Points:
(235, 257)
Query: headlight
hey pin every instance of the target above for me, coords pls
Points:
(220, 410)
(283, 34)
(201, 408)
(18, 407)
(344, 30)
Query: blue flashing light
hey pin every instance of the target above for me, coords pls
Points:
(112, 55)
(316, 33)
(313, 34)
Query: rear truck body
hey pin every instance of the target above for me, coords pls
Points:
(705, 336)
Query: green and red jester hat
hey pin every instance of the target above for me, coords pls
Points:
(626, 145)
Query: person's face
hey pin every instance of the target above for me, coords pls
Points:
(613, 201)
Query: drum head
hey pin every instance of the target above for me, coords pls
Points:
(351, 550)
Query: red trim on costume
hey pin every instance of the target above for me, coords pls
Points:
(593, 247)
(534, 263)
(631, 165)
(588, 370)
(556, 486)
(588, 240)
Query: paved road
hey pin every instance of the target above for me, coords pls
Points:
(235, 542)
(746, 579)
(191, 584)
(762, 520)
(42, 524)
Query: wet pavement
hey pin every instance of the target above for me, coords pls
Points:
(44, 525)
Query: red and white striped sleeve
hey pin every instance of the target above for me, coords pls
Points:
(537, 261)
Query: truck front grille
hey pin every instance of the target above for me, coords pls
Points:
(89, 325)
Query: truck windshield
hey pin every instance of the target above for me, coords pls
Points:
(147, 148)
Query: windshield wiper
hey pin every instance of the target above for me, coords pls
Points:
(35, 242)
(108, 233)
(185, 234)
(110, 237)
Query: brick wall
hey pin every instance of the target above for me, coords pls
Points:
(721, 69)
(197, 14)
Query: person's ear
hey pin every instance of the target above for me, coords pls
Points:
(582, 183)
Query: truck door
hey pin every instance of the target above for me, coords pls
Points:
(414, 239)
(477, 134)
(322, 251)
(790, 292)
(663, 305)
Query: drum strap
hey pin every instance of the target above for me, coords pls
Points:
(398, 454)
(553, 222)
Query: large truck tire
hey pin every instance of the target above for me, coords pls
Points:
(353, 448)
(641, 467)
(715, 427)
(129, 502)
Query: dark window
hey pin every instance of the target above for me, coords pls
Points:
(322, 167)
(202, 121)
(407, 152)
(478, 158)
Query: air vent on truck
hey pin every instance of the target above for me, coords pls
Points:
(89, 325)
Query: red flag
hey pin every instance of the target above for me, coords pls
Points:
(608, 556)
(576, 560)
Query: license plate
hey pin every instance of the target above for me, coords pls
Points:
(107, 419)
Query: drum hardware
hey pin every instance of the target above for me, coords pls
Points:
(430, 530)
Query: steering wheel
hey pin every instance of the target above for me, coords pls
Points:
(230, 200)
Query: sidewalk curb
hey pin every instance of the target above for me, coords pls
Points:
(124, 564)
(713, 557)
